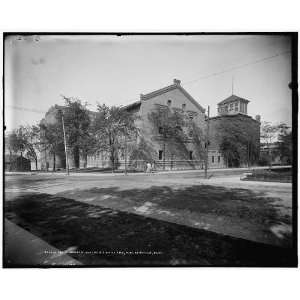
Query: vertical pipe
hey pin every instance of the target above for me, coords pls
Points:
(65, 142)
(207, 142)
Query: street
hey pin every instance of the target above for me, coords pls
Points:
(218, 208)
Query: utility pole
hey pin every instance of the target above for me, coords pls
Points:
(65, 142)
(207, 143)
(125, 152)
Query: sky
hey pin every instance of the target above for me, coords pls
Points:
(115, 70)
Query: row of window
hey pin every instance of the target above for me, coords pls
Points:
(161, 131)
(160, 155)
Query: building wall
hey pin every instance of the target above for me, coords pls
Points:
(151, 134)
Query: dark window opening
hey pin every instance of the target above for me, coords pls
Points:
(219, 159)
(212, 159)
(160, 154)
(183, 106)
(191, 133)
(160, 130)
(169, 102)
(191, 155)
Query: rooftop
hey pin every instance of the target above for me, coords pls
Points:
(233, 98)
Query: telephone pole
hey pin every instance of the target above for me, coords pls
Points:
(126, 153)
(207, 143)
(65, 142)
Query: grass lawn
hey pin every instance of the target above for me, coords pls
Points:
(272, 175)
(82, 227)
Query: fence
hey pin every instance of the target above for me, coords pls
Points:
(158, 165)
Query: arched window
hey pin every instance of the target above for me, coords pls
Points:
(169, 102)
(183, 106)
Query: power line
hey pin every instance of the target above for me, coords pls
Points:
(237, 67)
(186, 82)
(26, 109)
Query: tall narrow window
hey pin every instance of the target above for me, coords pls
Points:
(160, 130)
(169, 102)
(191, 155)
(219, 159)
(212, 159)
(160, 154)
(183, 106)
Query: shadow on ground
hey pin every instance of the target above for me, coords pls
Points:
(86, 228)
(206, 199)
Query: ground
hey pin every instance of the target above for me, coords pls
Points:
(170, 219)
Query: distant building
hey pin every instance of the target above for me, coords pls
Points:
(16, 163)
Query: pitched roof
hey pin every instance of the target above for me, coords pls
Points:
(132, 105)
(233, 98)
(175, 85)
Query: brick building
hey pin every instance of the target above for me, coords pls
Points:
(149, 144)
(230, 111)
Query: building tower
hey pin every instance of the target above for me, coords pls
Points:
(233, 105)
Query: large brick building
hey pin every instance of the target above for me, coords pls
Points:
(150, 144)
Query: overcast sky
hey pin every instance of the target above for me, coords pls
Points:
(116, 70)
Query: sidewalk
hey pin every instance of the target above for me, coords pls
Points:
(24, 249)
(50, 173)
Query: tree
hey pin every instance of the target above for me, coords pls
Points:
(24, 140)
(52, 139)
(285, 143)
(111, 125)
(268, 135)
(238, 141)
(32, 136)
(77, 126)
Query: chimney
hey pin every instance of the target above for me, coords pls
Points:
(257, 118)
(176, 81)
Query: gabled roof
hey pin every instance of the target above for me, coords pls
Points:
(133, 105)
(175, 85)
(233, 98)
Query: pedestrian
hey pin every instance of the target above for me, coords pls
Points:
(148, 169)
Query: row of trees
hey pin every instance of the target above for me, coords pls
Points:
(85, 133)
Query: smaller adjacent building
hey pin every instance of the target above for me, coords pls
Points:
(233, 113)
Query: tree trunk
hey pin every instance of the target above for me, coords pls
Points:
(54, 162)
(36, 164)
(85, 161)
(76, 157)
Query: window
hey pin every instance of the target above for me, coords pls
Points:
(226, 108)
(160, 154)
(212, 159)
(191, 133)
(191, 155)
(160, 130)
(169, 102)
(219, 159)
(236, 107)
(231, 106)
(183, 106)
